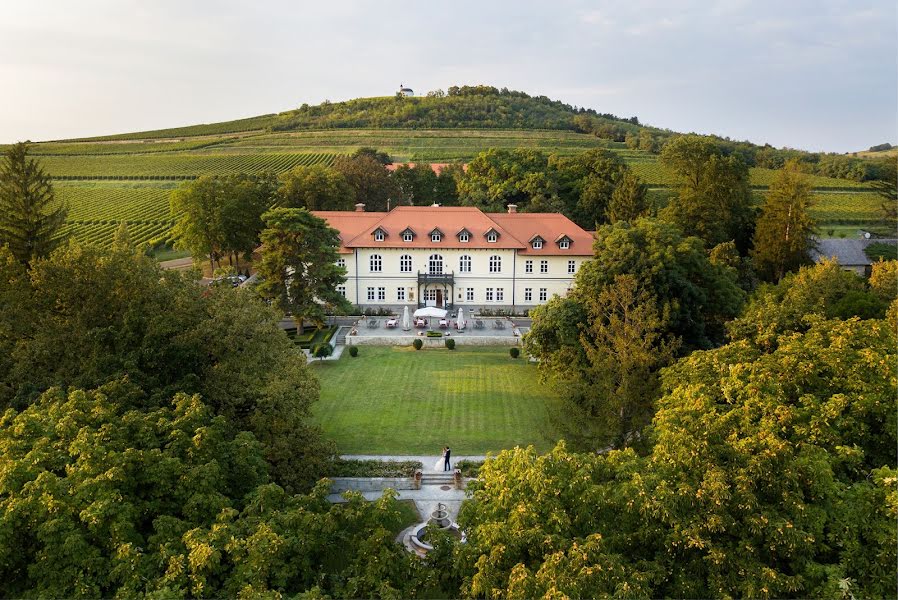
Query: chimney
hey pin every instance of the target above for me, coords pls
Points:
(360, 207)
(512, 209)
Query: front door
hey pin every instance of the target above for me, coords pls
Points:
(439, 303)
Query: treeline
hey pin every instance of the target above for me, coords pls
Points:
(460, 107)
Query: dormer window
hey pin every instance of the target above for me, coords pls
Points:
(537, 244)
(564, 242)
(436, 235)
(464, 236)
(379, 235)
(492, 236)
(407, 235)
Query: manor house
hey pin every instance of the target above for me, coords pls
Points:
(457, 257)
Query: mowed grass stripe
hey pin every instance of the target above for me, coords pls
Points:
(401, 401)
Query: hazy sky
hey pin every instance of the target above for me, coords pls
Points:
(818, 75)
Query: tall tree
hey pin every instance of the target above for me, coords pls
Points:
(199, 227)
(713, 200)
(784, 229)
(628, 201)
(416, 185)
(498, 177)
(369, 178)
(315, 187)
(30, 216)
(887, 188)
(299, 271)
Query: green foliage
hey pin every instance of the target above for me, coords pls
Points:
(220, 216)
(373, 468)
(369, 178)
(418, 344)
(100, 499)
(315, 187)
(514, 352)
(818, 292)
(784, 232)
(298, 270)
(884, 280)
(450, 344)
(713, 200)
(434, 334)
(881, 250)
(120, 315)
(628, 201)
(322, 351)
(353, 351)
(770, 475)
(30, 216)
(700, 296)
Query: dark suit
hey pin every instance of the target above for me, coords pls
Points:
(446, 463)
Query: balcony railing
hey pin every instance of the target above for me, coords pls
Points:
(446, 278)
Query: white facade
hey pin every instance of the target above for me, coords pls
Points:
(384, 269)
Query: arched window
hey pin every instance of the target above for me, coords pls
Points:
(376, 263)
(435, 264)
(405, 264)
(495, 264)
(464, 264)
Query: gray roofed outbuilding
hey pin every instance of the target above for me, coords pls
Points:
(849, 253)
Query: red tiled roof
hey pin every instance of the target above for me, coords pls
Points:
(349, 223)
(514, 229)
(549, 226)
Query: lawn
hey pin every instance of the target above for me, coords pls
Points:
(392, 400)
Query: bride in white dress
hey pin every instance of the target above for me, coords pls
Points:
(440, 461)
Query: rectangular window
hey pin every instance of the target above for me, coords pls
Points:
(489, 294)
(400, 294)
(381, 294)
(543, 266)
(500, 294)
(543, 294)
(571, 266)
(379, 236)
(341, 262)
(528, 266)
(564, 244)
(470, 294)
(341, 289)
(371, 294)
(528, 294)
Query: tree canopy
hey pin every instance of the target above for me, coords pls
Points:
(85, 316)
(315, 188)
(299, 271)
(770, 475)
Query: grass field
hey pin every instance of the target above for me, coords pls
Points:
(401, 401)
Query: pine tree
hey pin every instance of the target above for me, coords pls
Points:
(30, 216)
(628, 201)
(784, 230)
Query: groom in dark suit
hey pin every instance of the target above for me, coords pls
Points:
(446, 463)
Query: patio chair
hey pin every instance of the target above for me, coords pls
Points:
(478, 324)
(500, 324)
(372, 324)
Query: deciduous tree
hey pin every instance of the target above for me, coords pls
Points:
(784, 230)
(299, 271)
(315, 188)
(369, 178)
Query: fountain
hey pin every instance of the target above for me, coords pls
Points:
(439, 520)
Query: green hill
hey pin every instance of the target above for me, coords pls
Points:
(128, 177)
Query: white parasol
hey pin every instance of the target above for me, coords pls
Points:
(460, 322)
(431, 311)
(406, 322)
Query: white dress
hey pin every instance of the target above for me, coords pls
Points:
(440, 462)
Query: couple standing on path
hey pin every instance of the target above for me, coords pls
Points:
(443, 460)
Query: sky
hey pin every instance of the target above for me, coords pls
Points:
(816, 75)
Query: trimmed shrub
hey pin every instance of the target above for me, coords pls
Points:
(514, 351)
(418, 344)
(450, 344)
(353, 351)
